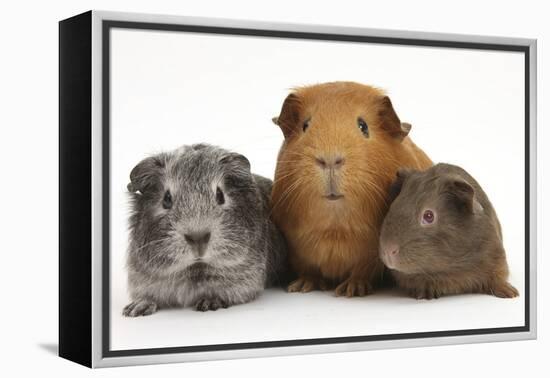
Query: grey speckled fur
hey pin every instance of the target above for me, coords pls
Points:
(244, 253)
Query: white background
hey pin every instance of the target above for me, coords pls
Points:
(173, 88)
(29, 190)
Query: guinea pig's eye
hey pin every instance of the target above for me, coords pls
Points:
(167, 200)
(428, 217)
(363, 126)
(220, 199)
(305, 125)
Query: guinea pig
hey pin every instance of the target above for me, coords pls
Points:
(442, 236)
(200, 232)
(343, 143)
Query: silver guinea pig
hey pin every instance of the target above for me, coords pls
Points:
(200, 232)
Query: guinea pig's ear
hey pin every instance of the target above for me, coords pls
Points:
(236, 162)
(290, 115)
(390, 121)
(143, 175)
(461, 193)
(397, 184)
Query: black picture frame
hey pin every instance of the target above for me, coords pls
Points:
(76, 54)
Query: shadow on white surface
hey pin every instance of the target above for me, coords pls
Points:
(51, 348)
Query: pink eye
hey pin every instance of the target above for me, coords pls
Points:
(428, 217)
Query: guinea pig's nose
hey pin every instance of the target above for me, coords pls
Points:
(389, 254)
(392, 250)
(197, 238)
(327, 162)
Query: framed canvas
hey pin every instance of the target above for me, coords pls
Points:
(142, 92)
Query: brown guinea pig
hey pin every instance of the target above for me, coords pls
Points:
(343, 145)
(442, 236)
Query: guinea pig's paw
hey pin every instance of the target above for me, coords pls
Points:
(353, 288)
(504, 290)
(140, 307)
(210, 304)
(301, 285)
(425, 293)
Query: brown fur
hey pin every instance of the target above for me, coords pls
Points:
(335, 243)
(461, 251)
